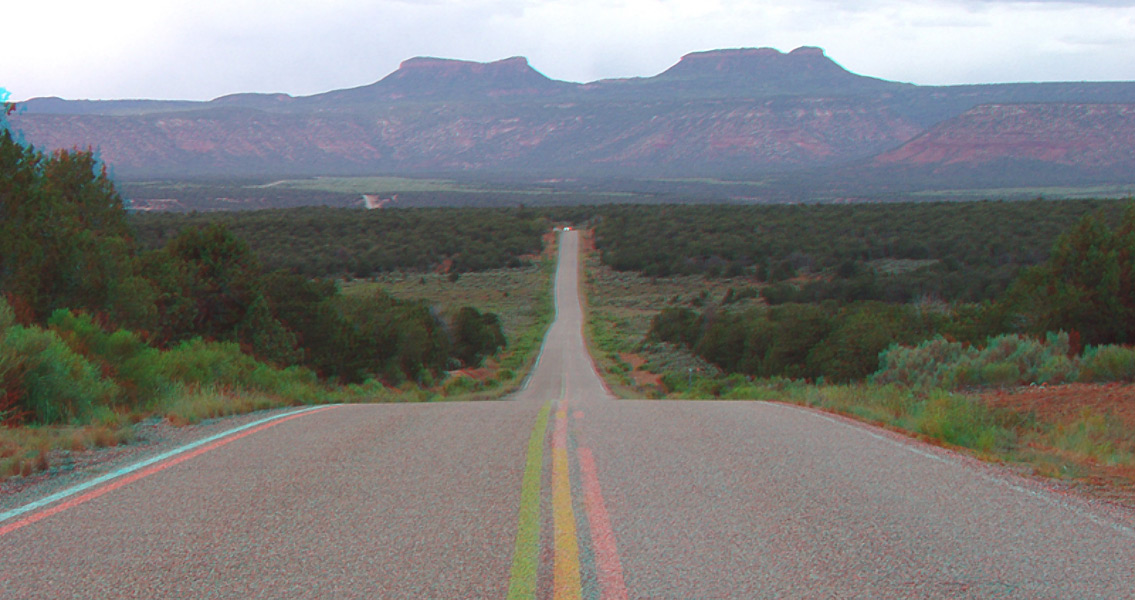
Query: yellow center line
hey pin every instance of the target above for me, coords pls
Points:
(566, 583)
(522, 583)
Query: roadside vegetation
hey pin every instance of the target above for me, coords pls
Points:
(949, 367)
(99, 332)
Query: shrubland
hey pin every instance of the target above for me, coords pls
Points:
(924, 363)
(99, 331)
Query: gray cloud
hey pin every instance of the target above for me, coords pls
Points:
(205, 48)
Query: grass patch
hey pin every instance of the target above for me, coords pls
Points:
(907, 397)
(1073, 192)
(197, 381)
(370, 185)
(522, 298)
(28, 450)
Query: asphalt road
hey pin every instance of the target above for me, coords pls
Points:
(564, 492)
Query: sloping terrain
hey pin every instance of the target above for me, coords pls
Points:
(1086, 135)
(723, 113)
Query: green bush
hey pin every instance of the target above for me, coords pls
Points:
(1108, 363)
(1005, 360)
(476, 335)
(122, 355)
(200, 363)
(961, 421)
(52, 382)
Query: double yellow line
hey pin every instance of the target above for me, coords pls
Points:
(526, 552)
(566, 584)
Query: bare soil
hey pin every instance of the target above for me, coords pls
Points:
(642, 378)
(1064, 405)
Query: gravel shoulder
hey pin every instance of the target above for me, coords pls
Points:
(152, 437)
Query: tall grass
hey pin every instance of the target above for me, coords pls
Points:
(1107, 363)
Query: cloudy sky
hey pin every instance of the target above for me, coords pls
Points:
(201, 49)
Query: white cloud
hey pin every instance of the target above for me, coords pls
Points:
(205, 48)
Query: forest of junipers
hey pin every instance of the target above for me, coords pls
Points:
(91, 319)
(983, 278)
(836, 284)
(128, 300)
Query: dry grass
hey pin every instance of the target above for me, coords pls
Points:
(521, 297)
(1082, 434)
(28, 450)
(620, 307)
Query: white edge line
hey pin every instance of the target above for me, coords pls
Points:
(1046, 498)
(71, 491)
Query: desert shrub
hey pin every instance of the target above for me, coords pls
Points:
(199, 362)
(1107, 363)
(961, 421)
(121, 355)
(53, 383)
(476, 335)
(918, 366)
(677, 325)
(7, 315)
(1005, 360)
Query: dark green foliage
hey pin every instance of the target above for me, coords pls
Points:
(851, 350)
(394, 340)
(210, 285)
(804, 341)
(476, 335)
(104, 327)
(676, 325)
(64, 241)
(1086, 287)
(326, 242)
(968, 251)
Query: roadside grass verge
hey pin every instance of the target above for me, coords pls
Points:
(523, 300)
(619, 306)
(917, 394)
(197, 381)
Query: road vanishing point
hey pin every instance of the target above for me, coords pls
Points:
(561, 492)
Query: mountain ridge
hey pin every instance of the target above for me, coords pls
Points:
(737, 112)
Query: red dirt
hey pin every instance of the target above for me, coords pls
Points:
(641, 378)
(550, 244)
(479, 374)
(587, 240)
(444, 266)
(1066, 404)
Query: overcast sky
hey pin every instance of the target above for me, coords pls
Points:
(201, 49)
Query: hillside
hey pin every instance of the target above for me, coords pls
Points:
(724, 113)
(1091, 136)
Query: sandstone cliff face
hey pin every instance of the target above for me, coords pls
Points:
(723, 112)
(684, 137)
(1087, 135)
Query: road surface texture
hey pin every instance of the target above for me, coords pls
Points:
(565, 492)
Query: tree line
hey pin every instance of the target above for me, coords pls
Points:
(1085, 288)
(954, 251)
(341, 242)
(69, 255)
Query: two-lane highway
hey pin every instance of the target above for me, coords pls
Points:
(564, 492)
